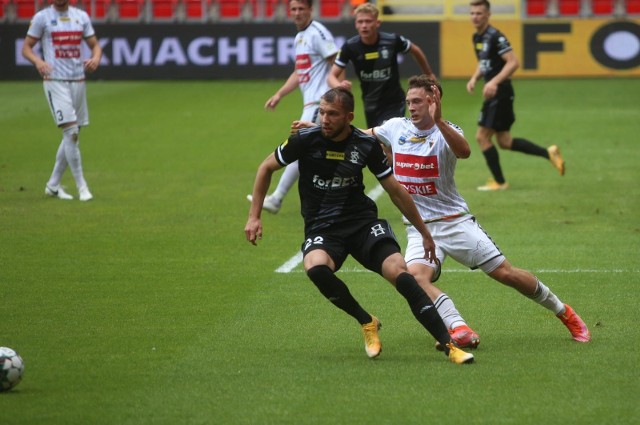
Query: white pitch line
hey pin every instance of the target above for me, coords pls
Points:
(290, 264)
(374, 194)
(293, 262)
(361, 270)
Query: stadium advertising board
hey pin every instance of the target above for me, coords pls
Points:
(549, 48)
(201, 51)
(552, 48)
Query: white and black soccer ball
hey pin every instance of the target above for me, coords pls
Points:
(11, 368)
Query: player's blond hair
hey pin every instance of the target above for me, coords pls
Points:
(484, 3)
(368, 8)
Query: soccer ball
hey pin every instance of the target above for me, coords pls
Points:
(11, 368)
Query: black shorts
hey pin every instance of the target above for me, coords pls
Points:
(356, 238)
(379, 115)
(497, 113)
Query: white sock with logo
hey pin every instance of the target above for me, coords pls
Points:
(547, 299)
(447, 310)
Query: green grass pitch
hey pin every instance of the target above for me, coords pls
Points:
(147, 305)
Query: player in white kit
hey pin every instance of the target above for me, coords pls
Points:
(315, 51)
(60, 29)
(425, 150)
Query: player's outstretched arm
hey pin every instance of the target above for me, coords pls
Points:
(91, 64)
(403, 201)
(289, 86)
(421, 60)
(27, 51)
(253, 228)
(454, 138)
(337, 78)
(471, 84)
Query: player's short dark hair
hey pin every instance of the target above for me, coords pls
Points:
(484, 3)
(340, 95)
(423, 81)
(307, 2)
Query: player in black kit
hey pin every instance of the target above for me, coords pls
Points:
(374, 55)
(496, 63)
(340, 220)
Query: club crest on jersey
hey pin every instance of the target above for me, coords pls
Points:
(354, 157)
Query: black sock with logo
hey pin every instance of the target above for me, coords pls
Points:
(337, 292)
(422, 308)
(525, 146)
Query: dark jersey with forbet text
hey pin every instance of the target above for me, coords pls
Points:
(489, 47)
(331, 182)
(376, 66)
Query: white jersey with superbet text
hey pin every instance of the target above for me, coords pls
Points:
(424, 164)
(313, 45)
(61, 35)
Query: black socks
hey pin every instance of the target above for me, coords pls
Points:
(337, 292)
(525, 146)
(493, 162)
(422, 308)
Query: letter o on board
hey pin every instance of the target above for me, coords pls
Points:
(616, 45)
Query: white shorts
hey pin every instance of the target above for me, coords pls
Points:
(67, 101)
(462, 239)
(310, 113)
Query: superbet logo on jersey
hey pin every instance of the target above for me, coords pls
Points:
(303, 65)
(303, 62)
(67, 44)
(416, 165)
(66, 38)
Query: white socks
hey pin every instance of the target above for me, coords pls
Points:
(68, 155)
(447, 310)
(72, 152)
(58, 168)
(287, 180)
(547, 299)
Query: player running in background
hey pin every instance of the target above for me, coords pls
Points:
(496, 63)
(315, 52)
(340, 220)
(374, 55)
(425, 150)
(60, 29)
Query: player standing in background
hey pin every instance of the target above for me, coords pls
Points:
(60, 28)
(315, 51)
(374, 55)
(340, 220)
(496, 63)
(425, 150)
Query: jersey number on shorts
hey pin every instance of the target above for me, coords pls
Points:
(318, 240)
